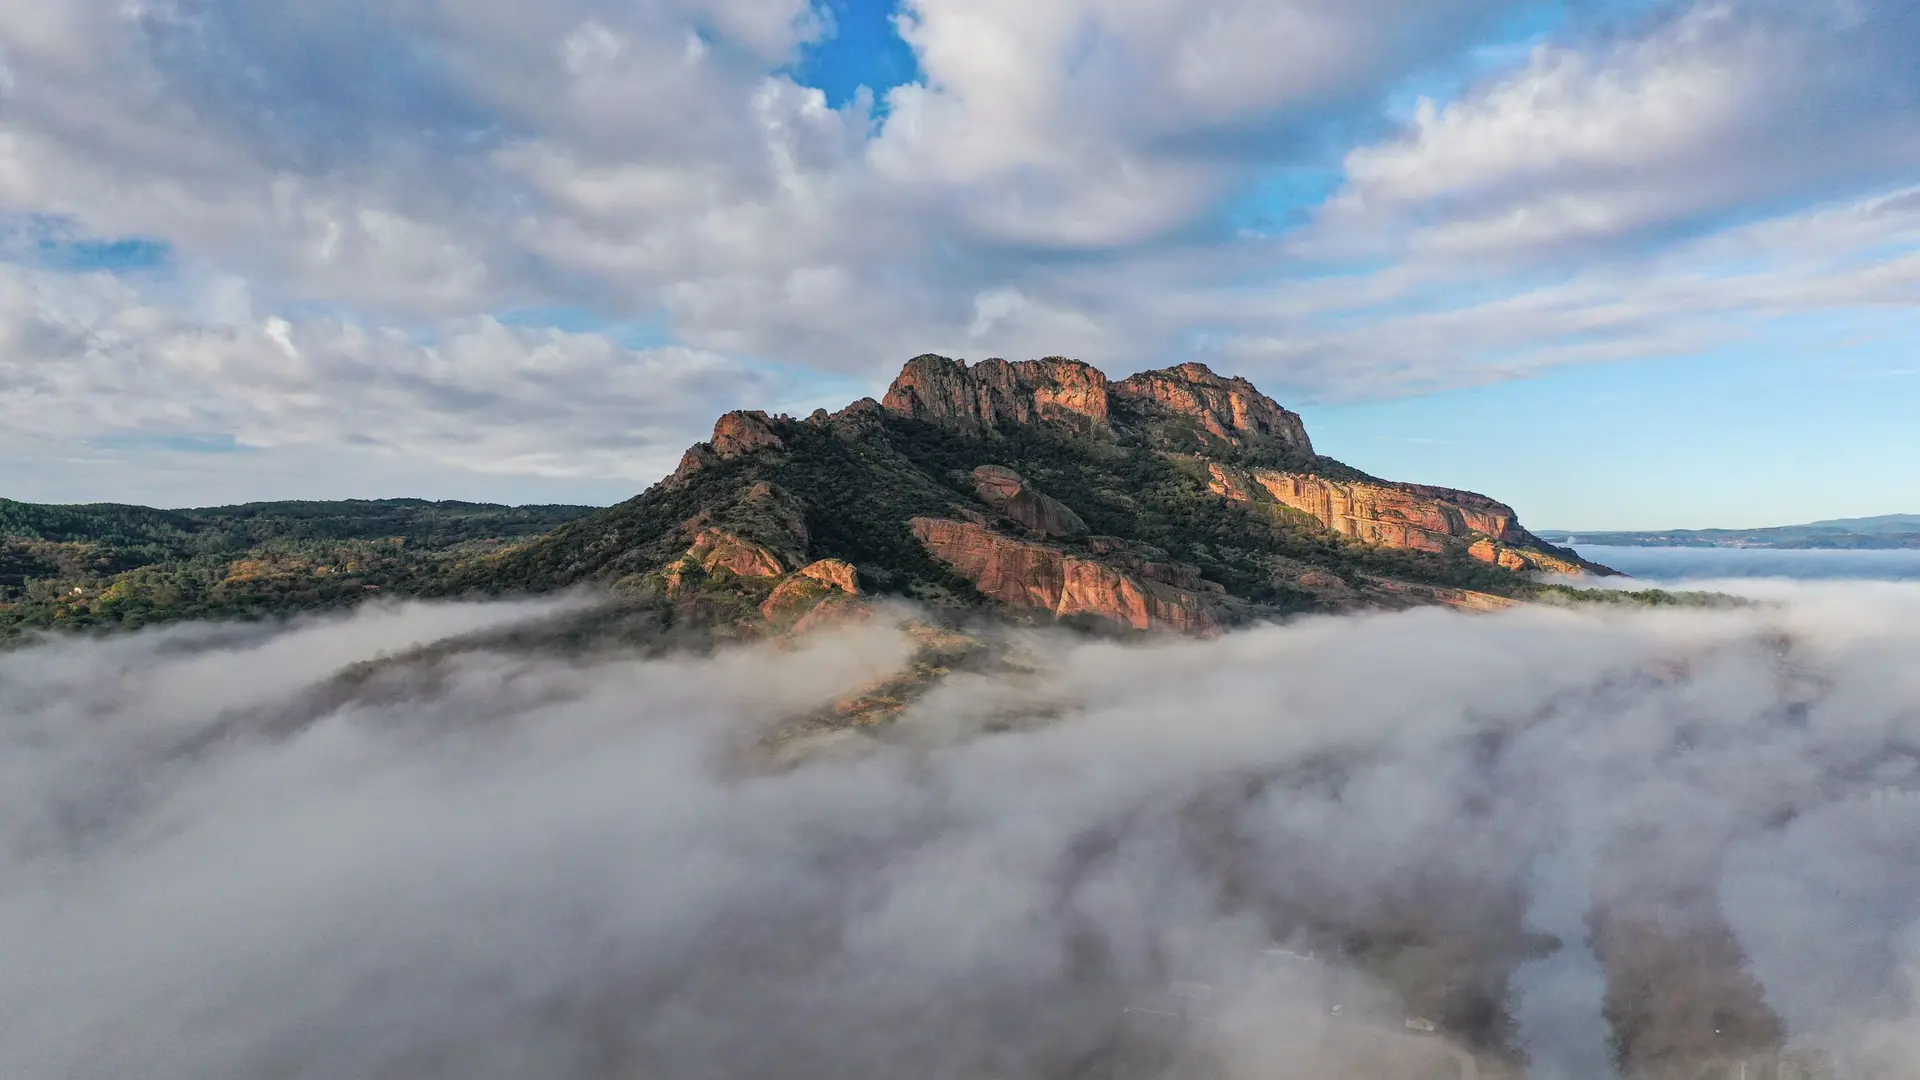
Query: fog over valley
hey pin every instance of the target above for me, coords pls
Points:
(1690, 564)
(431, 840)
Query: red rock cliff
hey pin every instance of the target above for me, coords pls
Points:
(1077, 395)
(1029, 575)
(1230, 410)
(1397, 515)
(1055, 389)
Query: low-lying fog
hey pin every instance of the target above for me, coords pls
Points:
(1690, 564)
(243, 852)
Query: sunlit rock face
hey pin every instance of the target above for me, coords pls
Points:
(1227, 411)
(829, 582)
(1191, 408)
(950, 392)
(1410, 516)
(1231, 411)
(735, 434)
(1023, 574)
(1175, 500)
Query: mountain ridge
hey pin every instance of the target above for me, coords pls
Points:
(1173, 499)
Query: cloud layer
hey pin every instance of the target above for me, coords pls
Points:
(246, 851)
(93, 356)
(1070, 180)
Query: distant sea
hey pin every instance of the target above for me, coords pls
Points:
(1692, 564)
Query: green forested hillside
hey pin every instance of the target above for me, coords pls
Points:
(76, 566)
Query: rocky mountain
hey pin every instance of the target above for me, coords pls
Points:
(1174, 500)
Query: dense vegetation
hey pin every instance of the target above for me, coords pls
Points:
(74, 567)
(1634, 598)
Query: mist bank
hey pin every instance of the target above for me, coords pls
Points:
(399, 843)
(1695, 565)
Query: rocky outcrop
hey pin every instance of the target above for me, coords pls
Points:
(1470, 600)
(735, 434)
(715, 550)
(1230, 410)
(1391, 593)
(1005, 491)
(1373, 513)
(1078, 396)
(744, 432)
(806, 588)
(1035, 576)
(698, 456)
(949, 392)
(1408, 516)
(1532, 558)
(836, 573)
(834, 609)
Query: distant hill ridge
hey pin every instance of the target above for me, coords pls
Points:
(106, 564)
(1885, 531)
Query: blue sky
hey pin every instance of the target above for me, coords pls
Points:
(1728, 440)
(864, 50)
(1622, 263)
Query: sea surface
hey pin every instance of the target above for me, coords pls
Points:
(1696, 564)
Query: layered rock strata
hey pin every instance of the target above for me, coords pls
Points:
(1036, 576)
(1056, 390)
(1230, 410)
(717, 551)
(1408, 516)
(803, 591)
(1078, 396)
